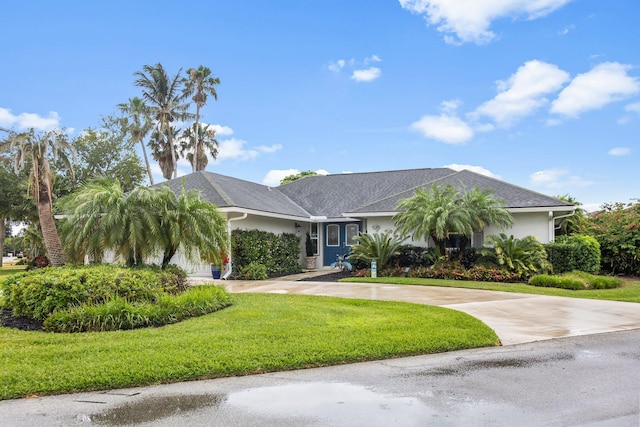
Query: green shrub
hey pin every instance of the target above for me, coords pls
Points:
(575, 252)
(254, 271)
(39, 293)
(576, 280)
(454, 270)
(414, 256)
(120, 314)
(280, 254)
(378, 246)
(525, 256)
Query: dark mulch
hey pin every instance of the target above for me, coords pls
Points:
(331, 277)
(9, 320)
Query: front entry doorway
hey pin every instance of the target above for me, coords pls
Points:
(338, 239)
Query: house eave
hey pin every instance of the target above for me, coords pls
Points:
(233, 209)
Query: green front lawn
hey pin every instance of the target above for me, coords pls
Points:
(8, 270)
(259, 333)
(629, 292)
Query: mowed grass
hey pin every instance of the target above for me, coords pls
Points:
(259, 333)
(630, 290)
(7, 270)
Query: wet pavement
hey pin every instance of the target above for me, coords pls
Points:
(589, 380)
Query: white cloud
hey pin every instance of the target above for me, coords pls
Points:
(619, 151)
(336, 66)
(566, 30)
(465, 21)
(476, 169)
(603, 84)
(269, 148)
(450, 106)
(556, 178)
(29, 120)
(447, 128)
(366, 75)
(523, 92)
(233, 149)
(274, 176)
(360, 70)
(222, 130)
(633, 108)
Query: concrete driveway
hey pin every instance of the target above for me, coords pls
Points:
(516, 318)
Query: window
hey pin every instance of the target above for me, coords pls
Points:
(333, 235)
(314, 238)
(352, 233)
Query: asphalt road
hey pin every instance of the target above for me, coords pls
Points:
(591, 380)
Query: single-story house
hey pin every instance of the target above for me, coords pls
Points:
(335, 208)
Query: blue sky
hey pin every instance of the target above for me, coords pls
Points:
(544, 94)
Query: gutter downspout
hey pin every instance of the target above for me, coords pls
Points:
(230, 269)
(553, 227)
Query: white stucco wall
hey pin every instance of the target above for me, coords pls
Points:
(525, 224)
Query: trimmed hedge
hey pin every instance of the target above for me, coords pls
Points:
(280, 254)
(576, 280)
(576, 252)
(120, 314)
(39, 293)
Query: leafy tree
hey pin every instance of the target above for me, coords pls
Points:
(103, 152)
(378, 246)
(201, 84)
(197, 141)
(574, 223)
(137, 124)
(38, 151)
(290, 178)
(14, 203)
(617, 229)
(525, 256)
(165, 98)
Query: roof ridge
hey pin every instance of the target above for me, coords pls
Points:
(219, 190)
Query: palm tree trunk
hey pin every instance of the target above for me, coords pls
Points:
(50, 236)
(174, 160)
(3, 222)
(146, 161)
(196, 149)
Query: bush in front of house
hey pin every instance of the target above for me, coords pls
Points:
(121, 314)
(454, 270)
(279, 254)
(414, 256)
(253, 271)
(575, 252)
(576, 280)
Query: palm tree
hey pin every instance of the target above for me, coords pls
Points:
(160, 149)
(27, 148)
(201, 84)
(484, 209)
(378, 246)
(525, 256)
(165, 100)
(193, 224)
(575, 223)
(194, 142)
(433, 213)
(101, 217)
(138, 125)
(141, 224)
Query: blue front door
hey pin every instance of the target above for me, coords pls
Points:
(338, 239)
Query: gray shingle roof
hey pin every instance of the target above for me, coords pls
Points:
(334, 195)
(226, 191)
(512, 195)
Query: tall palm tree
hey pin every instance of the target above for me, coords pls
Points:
(201, 84)
(165, 98)
(138, 124)
(160, 149)
(434, 213)
(33, 150)
(197, 141)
